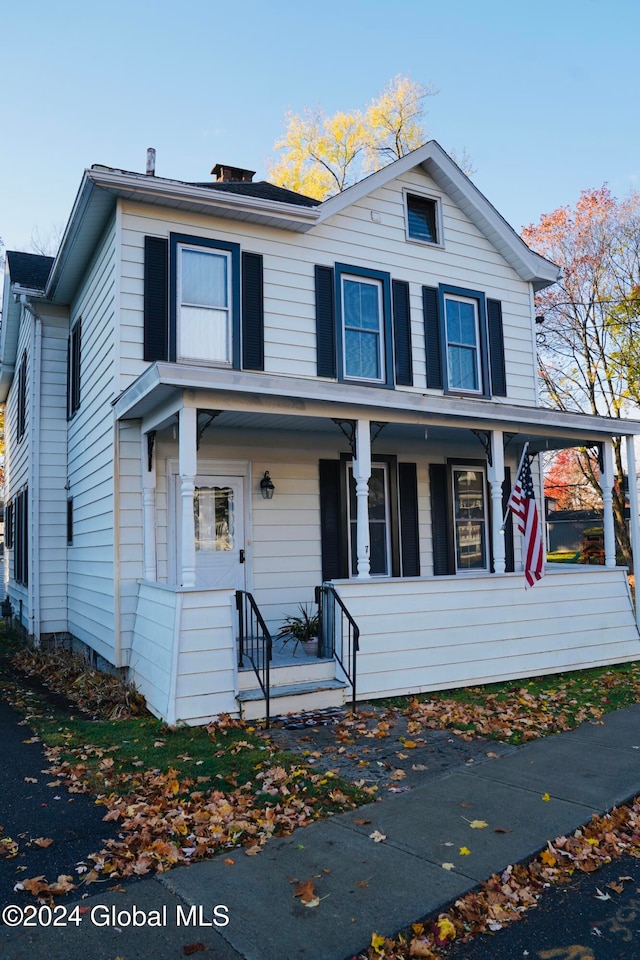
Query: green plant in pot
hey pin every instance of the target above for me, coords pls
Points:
(303, 628)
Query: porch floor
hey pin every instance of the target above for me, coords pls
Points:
(286, 654)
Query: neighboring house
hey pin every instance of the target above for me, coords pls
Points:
(373, 356)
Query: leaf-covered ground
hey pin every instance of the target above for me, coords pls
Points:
(184, 794)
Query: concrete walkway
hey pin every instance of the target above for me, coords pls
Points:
(363, 885)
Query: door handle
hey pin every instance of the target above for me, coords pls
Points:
(242, 557)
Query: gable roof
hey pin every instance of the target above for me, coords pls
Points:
(29, 270)
(273, 206)
(451, 180)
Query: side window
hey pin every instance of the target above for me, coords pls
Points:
(73, 368)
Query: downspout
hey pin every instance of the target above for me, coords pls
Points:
(34, 473)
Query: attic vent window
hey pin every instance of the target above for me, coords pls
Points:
(422, 219)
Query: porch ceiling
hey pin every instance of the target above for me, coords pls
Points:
(250, 401)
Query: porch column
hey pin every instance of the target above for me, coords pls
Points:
(634, 520)
(187, 465)
(149, 506)
(495, 473)
(607, 504)
(361, 475)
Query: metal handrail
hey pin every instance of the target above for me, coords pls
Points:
(254, 643)
(329, 606)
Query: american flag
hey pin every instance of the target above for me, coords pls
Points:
(522, 504)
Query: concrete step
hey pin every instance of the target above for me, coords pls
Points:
(308, 670)
(292, 698)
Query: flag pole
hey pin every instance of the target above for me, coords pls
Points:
(524, 453)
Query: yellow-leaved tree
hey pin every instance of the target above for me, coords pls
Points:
(321, 155)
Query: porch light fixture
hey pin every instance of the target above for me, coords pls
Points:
(266, 487)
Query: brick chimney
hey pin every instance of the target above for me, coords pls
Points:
(226, 174)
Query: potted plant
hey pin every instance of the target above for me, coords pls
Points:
(303, 628)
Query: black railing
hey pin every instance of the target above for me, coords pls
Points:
(338, 634)
(254, 643)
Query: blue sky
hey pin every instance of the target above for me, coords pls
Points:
(543, 95)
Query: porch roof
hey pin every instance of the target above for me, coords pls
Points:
(165, 387)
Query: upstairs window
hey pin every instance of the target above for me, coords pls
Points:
(422, 219)
(204, 305)
(463, 344)
(363, 328)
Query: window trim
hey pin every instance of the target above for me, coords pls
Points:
(445, 291)
(437, 201)
(344, 270)
(177, 241)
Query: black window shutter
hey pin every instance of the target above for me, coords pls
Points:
(325, 322)
(508, 527)
(496, 349)
(76, 344)
(252, 312)
(156, 298)
(25, 538)
(408, 490)
(402, 333)
(441, 520)
(331, 520)
(69, 376)
(430, 303)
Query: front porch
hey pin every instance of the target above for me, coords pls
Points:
(416, 635)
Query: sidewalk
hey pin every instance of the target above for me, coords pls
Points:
(366, 886)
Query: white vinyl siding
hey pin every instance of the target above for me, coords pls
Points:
(466, 260)
(451, 631)
(91, 460)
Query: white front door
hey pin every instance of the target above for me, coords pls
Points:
(218, 507)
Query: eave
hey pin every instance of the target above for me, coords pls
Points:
(96, 201)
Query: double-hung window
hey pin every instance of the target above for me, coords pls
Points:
(364, 325)
(363, 328)
(462, 329)
(469, 518)
(204, 304)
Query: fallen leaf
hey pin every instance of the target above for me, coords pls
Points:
(398, 775)
(361, 821)
(464, 851)
(599, 895)
(30, 779)
(545, 796)
(229, 862)
(307, 894)
(43, 841)
(478, 824)
(378, 837)
(547, 857)
(616, 887)
(448, 866)
(192, 948)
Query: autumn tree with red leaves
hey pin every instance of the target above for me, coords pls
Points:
(587, 358)
(569, 484)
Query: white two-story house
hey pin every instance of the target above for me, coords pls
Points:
(224, 389)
